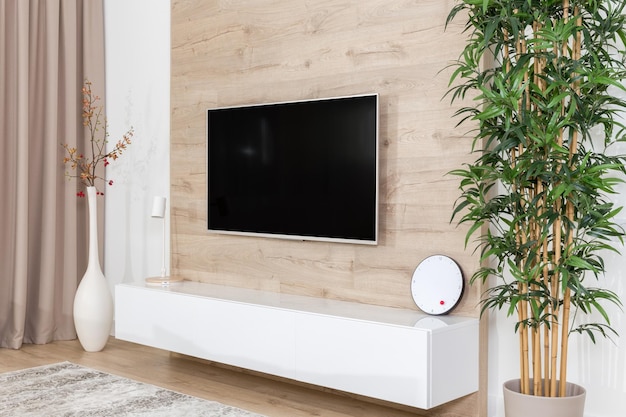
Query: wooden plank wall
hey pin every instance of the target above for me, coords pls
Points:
(232, 52)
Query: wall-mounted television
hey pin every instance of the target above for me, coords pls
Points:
(304, 170)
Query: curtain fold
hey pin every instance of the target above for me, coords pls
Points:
(47, 49)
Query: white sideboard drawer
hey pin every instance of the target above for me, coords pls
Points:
(371, 359)
(238, 334)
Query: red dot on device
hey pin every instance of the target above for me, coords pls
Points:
(442, 302)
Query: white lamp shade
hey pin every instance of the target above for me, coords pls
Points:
(158, 207)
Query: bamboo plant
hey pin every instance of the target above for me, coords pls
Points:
(538, 196)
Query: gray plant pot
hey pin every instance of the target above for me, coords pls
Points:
(522, 405)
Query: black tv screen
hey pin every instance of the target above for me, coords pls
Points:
(301, 170)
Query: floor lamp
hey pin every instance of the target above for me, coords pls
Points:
(158, 212)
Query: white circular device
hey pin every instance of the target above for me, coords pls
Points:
(437, 285)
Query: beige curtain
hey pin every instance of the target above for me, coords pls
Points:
(47, 49)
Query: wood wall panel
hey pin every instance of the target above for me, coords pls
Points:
(233, 52)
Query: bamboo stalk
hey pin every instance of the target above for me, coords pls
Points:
(521, 287)
(566, 315)
(537, 360)
(525, 375)
(541, 82)
(542, 365)
(535, 254)
(576, 51)
(523, 329)
(527, 336)
(555, 287)
(523, 349)
(555, 291)
(564, 342)
(546, 361)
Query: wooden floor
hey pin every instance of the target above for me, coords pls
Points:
(273, 398)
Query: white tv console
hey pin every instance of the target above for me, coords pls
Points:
(396, 355)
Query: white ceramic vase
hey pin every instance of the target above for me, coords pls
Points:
(93, 303)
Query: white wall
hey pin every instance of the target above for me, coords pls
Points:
(137, 93)
(138, 75)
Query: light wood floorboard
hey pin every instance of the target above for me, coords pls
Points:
(268, 396)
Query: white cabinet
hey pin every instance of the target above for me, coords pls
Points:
(396, 355)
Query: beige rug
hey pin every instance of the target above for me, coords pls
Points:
(66, 389)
